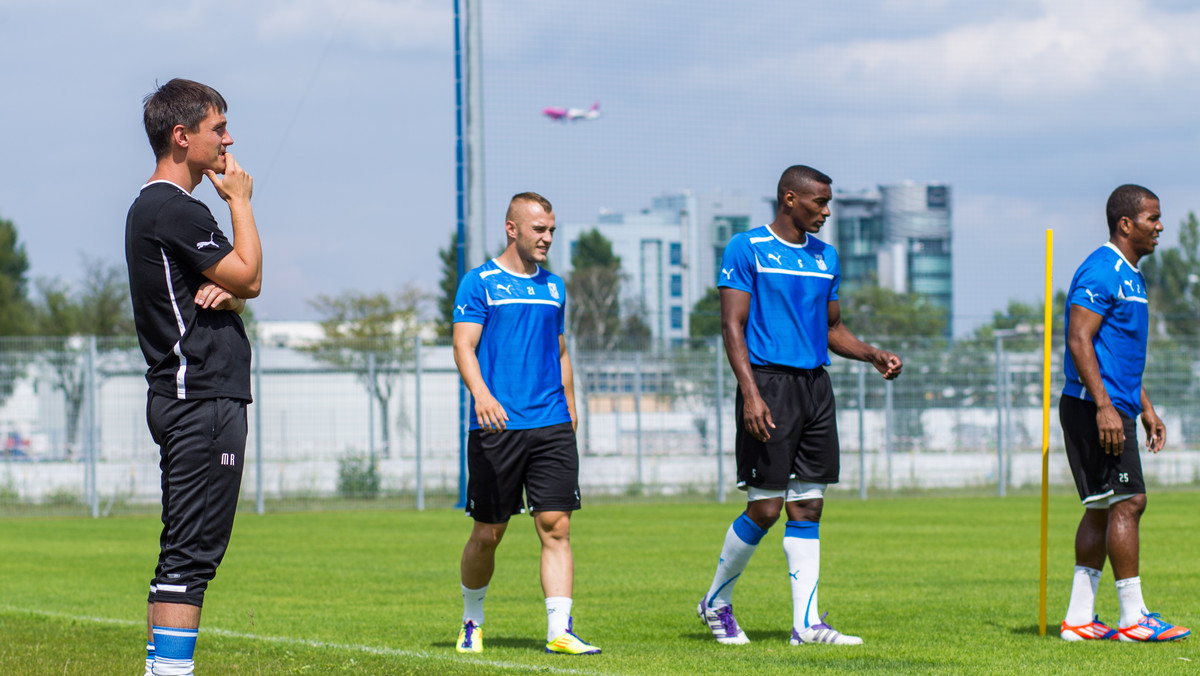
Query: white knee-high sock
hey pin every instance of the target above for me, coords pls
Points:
(558, 616)
(802, 545)
(1129, 593)
(741, 540)
(1083, 596)
(473, 604)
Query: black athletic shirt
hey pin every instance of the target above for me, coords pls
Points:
(193, 353)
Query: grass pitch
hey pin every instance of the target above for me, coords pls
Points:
(933, 585)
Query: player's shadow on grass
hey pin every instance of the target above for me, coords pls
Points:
(1031, 630)
(500, 642)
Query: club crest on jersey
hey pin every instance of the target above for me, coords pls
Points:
(553, 290)
(821, 262)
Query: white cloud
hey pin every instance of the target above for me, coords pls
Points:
(1067, 50)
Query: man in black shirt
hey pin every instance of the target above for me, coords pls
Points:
(188, 284)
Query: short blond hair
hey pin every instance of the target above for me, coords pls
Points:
(528, 197)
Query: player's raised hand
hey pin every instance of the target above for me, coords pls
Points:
(1112, 430)
(1156, 431)
(757, 417)
(887, 364)
(491, 415)
(235, 184)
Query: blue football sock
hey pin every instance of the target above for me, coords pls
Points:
(173, 651)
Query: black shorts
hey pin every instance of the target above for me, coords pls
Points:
(544, 462)
(804, 443)
(202, 449)
(1098, 474)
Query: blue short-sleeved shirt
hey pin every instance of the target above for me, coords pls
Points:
(1109, 286)
(790, 287)
(522, 317)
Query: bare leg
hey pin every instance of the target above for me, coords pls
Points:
(1123, 520)
(558, 566)
(479, 554)
(177, 615)
(1090, 538)
(764, 513)
(806, 510)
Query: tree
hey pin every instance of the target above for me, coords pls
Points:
(1173, 282)
(882, 313)
(361, 327)
(635, 333)
(448, 287)
(594, 289)
(705, 319)
(14, 307)
(100, 307)
(1021, 324)
(14, 283)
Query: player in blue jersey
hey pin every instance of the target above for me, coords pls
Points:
(780, 317)
(1107, 324)
(509, 315)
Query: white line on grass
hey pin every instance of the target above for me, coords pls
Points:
(288, 640)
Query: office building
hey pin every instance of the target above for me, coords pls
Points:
(898, 237)
(670, 254)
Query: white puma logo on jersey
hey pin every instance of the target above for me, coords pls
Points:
(462, 309)
(1091, 296)
(727, 272)
(776, 258)
(507, 287)
(210, 242)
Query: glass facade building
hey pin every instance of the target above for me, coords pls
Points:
(670, 254)
(899, 237)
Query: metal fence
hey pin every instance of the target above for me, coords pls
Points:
(378, 424)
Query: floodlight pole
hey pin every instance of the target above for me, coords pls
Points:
(468, 91)
(461, 248)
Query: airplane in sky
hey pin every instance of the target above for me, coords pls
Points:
(573, 114)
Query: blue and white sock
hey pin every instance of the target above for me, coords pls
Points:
(802, 545)
(173, 651)
(473, 604)
(558, 616)
(741, 540)
(149, 659)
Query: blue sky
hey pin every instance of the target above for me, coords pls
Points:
(1033, 110)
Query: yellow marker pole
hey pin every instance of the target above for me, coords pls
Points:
(1047, 334)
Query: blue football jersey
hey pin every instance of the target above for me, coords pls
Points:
(522, 317)
(790, 287)
(1109, 286)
